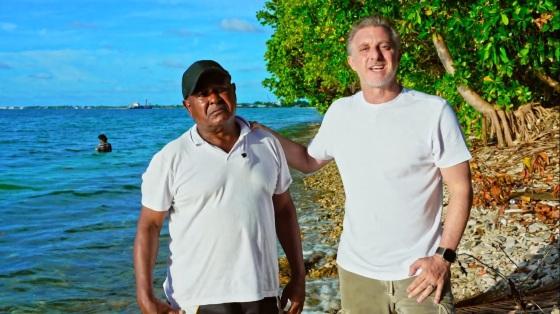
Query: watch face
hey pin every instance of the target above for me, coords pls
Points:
(449, 255)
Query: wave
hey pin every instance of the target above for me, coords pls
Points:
(18, 273)
(14, 187)
(73, 150)
(96, 227)
(87, 248)
(131, 187)
(125, 187)
(51, 281)
(74, 193)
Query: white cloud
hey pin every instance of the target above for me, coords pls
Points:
(237, 25)
(172, 2)
(8, 27)
(172, 64)
(82, 25)
(63, 65)
(168, 14)
(182, 32)
(41, 76)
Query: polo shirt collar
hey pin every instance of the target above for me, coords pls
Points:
(243, 126)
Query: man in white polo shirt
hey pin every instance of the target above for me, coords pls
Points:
(393, 147)
(225, 190)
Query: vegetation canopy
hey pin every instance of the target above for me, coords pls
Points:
(496, 62)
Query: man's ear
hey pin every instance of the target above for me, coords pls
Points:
(187, 105)
(350, 63)
(233, 87)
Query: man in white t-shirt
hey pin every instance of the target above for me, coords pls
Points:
(224, 188)
(393, 147)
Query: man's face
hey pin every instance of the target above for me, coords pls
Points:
(213, 101)
(373, 57)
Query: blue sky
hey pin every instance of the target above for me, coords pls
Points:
(101, 52)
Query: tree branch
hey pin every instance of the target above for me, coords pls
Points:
(552, 83)
(469, 95)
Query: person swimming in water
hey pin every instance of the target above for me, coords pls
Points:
(104, 146)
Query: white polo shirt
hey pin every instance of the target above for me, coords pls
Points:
(221, 223)
(389, 157)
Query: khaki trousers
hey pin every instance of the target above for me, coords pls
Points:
(362, 295)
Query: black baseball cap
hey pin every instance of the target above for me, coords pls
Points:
(196, 70)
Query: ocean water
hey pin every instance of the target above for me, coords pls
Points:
(69, 213)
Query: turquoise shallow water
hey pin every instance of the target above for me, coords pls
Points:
(68, 213)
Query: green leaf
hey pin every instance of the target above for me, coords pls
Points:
(494, 56)
(505, 19)
(486, 54)
(503, 55)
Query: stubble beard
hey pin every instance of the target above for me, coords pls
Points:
(386, 82)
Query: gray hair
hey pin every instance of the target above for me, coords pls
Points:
(374, 21)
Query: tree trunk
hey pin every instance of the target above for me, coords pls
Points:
(472, 97)
(548, 80)
(505, 124)
(484, 130)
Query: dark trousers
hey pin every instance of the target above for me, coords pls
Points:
(264, 306)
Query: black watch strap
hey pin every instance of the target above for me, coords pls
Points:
(447, 254)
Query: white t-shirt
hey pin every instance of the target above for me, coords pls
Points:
(221, 223)
(389, 157)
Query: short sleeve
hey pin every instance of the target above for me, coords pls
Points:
(448, 144)
(284, 178)
(321, 146)
(157, 183)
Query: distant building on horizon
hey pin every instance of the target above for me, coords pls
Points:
(137, 105)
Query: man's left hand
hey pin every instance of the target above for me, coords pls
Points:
(434, 275)
(295, 291)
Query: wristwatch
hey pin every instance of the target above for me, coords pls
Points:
(447, 254)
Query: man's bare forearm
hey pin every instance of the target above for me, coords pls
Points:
(146, 246)
(458, 209)
(296, 154)
(455, 222)
(287, 230)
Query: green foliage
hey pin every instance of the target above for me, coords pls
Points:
(497, 47)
